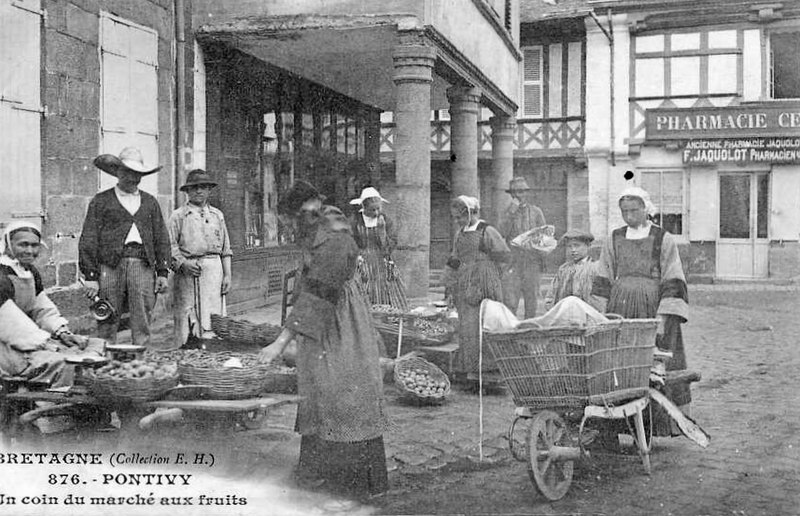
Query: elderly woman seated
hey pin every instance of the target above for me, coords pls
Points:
(34, 337)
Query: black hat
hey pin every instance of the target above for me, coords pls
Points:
(300, 192)
(197, 176)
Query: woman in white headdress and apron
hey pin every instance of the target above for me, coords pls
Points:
(374, 233)
(34, 337)
(473, 273)
(641, 276)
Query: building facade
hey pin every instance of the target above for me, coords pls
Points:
(259, 93)
(78, 79)
(701, 105)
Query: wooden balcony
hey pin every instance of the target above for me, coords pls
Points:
(533, 137)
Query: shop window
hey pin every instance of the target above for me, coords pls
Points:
(532, 81)
(785, 65)
(666, 190)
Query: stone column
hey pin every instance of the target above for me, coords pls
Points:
(413, 75)
(503, 128)
(464, 106)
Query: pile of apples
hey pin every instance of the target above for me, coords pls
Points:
(422, 383)
(137, 370)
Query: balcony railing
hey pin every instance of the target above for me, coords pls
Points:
(552, 134)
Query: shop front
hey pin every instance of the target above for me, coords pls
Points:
(726, 182)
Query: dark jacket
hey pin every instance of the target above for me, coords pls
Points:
(107, 224)
(387, 239)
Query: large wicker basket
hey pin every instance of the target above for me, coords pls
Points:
(242, 331)
(129, 389)
(248, 381)
(409, 365)
(573, 367)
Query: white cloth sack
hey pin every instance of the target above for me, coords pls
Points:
(497, 317)
(570, 311)
(538, 239)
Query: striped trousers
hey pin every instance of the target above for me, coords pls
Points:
(129, 287)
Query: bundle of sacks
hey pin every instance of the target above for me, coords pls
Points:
(570, 311)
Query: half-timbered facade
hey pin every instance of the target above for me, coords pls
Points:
(701, 101)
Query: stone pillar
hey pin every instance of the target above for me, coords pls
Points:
(413, 75)
(503, 128)
(464, 107)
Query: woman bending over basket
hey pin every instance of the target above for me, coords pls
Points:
(473, 274)
(341, 417)
(641, 276)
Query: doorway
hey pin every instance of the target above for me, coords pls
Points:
(743, 244)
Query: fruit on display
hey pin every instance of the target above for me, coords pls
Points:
(421, 382)
(137, 370)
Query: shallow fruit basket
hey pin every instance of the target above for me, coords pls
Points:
(418, 379)
(139, 381)
(198, 367)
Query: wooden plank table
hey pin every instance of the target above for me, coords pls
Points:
(245, 405)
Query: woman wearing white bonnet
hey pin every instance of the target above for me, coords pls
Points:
(473, 274)
(374, 233)
(641, 276)
(34, 337)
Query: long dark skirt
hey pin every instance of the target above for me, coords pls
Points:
(353, 469)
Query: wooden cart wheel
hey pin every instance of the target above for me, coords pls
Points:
(552, 477)
(253, 420)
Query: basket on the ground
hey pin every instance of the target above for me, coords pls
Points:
(417, 378)
(199, 367)
(121, 382)
(572, 367)
(243, 331)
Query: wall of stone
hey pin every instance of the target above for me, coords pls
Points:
(71, 79)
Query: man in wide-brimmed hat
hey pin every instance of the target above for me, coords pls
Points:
(523, 277)
(124, 246)
(201, 259)
(576, 276)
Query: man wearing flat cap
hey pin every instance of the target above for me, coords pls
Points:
(524, 276)
(123, 252)
(576, 275)
(201, 259)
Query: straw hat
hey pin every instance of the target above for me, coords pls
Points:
(368, 193)
(129, 158)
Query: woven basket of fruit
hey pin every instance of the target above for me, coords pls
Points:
(137, 380)
(229, 375)
(219, 325)
(246, 332)
(419, 379)
(416, 331)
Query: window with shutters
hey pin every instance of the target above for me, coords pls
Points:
(532, 82)
(666, 189)
(20, 110)
(129, 84)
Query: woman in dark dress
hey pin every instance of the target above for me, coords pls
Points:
(473, 274)
(374, 233)
(341, 417)
(641, 276)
